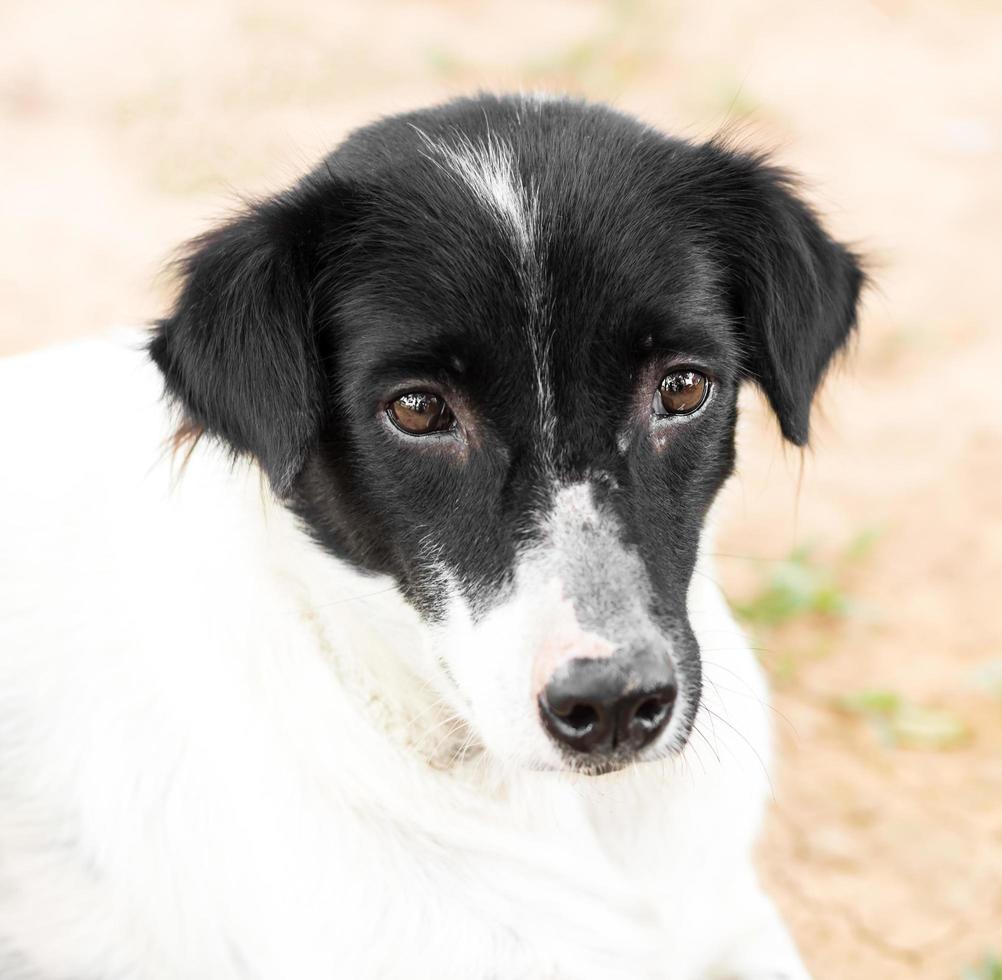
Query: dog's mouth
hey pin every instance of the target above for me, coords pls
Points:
(455, 743)
(608, 765)
(579, 764)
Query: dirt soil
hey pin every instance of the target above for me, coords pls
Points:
(127, 128)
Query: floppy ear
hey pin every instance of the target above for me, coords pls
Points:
(239, 352)
(794, 291)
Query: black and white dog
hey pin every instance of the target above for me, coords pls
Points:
(406, 660)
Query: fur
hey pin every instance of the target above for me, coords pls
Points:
(275, 716)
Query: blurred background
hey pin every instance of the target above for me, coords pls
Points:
(868, 570)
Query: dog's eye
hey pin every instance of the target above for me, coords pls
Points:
(681, 392)
(419, 413)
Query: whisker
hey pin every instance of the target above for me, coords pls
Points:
(459, 723)
(692, 747)
(754, 751)
(713, 748)
(762, 701)
(355, 598)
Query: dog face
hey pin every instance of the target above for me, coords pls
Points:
(493, 350)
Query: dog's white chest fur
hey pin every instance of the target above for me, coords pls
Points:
(209, 766)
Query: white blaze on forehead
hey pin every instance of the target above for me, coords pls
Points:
(489, 169)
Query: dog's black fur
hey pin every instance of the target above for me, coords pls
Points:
(382, 273)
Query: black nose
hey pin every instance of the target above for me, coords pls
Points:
(601, 706)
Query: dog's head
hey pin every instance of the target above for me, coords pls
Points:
(493, 350)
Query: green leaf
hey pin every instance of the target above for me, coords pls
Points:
(799, 586)
(883, 703)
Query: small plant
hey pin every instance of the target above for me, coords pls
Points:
(798, 586)
(903, 723)
(989, 968)
(805, 589)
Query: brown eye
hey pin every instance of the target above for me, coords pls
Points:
(420, 413)
(681, 392)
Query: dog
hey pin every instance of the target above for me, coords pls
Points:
(358, 620)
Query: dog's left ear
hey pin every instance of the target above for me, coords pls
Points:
(793, 290)
(238, 352)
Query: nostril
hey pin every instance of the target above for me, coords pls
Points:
(651, 711)
(649, 716)
(582, 724)
(581, 717)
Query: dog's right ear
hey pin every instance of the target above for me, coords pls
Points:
(238, 352)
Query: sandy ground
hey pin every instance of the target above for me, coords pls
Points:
(127, 127)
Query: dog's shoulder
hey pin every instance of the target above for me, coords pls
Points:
(119, 572)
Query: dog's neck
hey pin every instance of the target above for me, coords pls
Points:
(377, 645)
